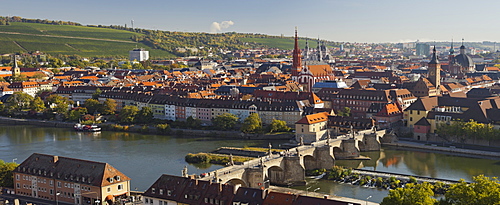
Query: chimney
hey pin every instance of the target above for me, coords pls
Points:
(55, 159)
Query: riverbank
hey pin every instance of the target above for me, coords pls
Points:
(450, 150)
(151, 130)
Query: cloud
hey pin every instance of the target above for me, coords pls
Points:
(216, 26)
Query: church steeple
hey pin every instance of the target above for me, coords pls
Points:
(297, 58)
(434, 69)
(320, 53)
(15, 69)
(306, 50)
(434, 59)
(452, 51)
(462, 48)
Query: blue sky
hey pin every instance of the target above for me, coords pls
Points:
(336, 20)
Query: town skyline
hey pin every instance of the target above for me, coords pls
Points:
(340, 21)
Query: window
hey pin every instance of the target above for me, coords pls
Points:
(17, 176)
(153, 190)
(109, 189)
(59, 184)
(18, 185)
(161, 191)
(120, 187)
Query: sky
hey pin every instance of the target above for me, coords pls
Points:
(376, 21)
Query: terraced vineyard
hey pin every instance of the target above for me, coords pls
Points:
(68, 40)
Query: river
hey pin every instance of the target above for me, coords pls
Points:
(145, 157)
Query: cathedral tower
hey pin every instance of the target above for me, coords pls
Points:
(297, 58)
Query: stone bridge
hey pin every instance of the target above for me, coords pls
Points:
(288, 167)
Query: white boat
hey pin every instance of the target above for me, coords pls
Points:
(87, 128)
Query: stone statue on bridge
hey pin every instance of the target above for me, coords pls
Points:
(270, 149)
(185, 172)
(301, 143)
(231, 161)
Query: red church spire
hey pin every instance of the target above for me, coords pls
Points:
(297, 57)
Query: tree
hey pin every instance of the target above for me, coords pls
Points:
(76, 114)
(483, 191)
(18, 101)
(137, 66)
(37, 105)
(108, 107)
(92, 105)
(6, 176)
(411, 194)
(19, 78)
(128, 113)
(192, 122)
(226, 121)
(126, 65)
(144, 116)
(278, 126)
(344, 112)
(252, 124)
(96, 94)
(59, 104)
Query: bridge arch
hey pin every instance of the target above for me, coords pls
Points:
(237, 182)
(276, 175)
(309, 162)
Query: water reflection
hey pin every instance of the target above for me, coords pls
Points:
(425, 164)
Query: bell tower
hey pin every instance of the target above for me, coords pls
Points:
(434, 68)
(15, 69)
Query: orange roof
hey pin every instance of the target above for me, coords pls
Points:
(492, 68)
(314, 118)
(89, 77)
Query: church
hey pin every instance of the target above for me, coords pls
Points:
(460, 64)
(315, 68)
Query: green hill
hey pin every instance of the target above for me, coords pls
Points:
(70, 40)
(112, 41)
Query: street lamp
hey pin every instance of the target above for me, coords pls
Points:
(367, 199)
(57, 199)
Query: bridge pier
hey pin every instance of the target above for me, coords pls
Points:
(289, 173)
(254, 176)
(348, 149)
(322, 158)
(370, 142)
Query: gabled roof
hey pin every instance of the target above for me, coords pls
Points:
(71, 170)
(423, 122)
(424, 104)
(314, 118)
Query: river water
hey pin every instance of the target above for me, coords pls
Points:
(145, 157)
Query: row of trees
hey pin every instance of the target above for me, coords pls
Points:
(466, 130)
(252, 124)
(483, 191)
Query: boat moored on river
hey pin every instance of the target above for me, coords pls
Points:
(86, 128)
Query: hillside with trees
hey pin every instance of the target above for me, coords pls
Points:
(21, 35)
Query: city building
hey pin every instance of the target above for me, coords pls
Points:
(69, 180)
(138, 54)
